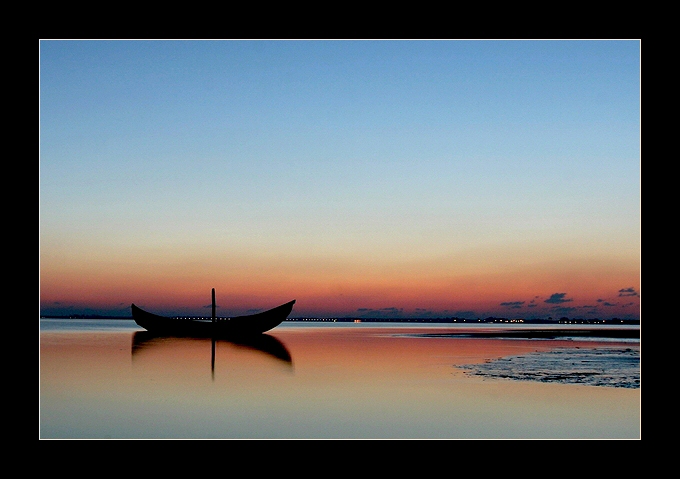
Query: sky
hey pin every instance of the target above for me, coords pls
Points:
(379, 178)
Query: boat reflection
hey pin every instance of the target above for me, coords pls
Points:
(144, 342)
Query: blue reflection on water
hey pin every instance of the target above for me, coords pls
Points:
(58, 324)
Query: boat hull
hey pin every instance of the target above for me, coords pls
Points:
(206, 327)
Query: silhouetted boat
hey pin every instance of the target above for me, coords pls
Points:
(214, 326)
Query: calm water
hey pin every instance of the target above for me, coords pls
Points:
(109, 379)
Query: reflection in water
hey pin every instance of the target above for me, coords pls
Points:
(144, 342)
(348, 382)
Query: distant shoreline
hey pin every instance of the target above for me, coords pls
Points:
(491, 320)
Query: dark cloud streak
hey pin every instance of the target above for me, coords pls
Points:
(513, 304)
(558, 298)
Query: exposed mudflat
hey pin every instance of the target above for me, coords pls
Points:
(609, 367)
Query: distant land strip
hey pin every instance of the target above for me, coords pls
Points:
(490, 320)
(610, 333)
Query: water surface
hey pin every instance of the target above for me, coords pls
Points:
(110, 379)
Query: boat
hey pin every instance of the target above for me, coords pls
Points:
(224, 327)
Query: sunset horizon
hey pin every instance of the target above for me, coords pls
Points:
(375, 179)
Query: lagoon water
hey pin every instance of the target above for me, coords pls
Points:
(104, 379)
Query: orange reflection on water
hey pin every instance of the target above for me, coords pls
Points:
(312, 382)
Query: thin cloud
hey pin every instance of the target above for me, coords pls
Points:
(513, 304)
(563, 310)
(627, 292)
(558, 298)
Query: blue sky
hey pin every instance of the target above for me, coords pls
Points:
(332, 168)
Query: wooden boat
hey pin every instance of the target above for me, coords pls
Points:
(214, 326)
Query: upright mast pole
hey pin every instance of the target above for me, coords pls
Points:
(212, 361)
(213, 305)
